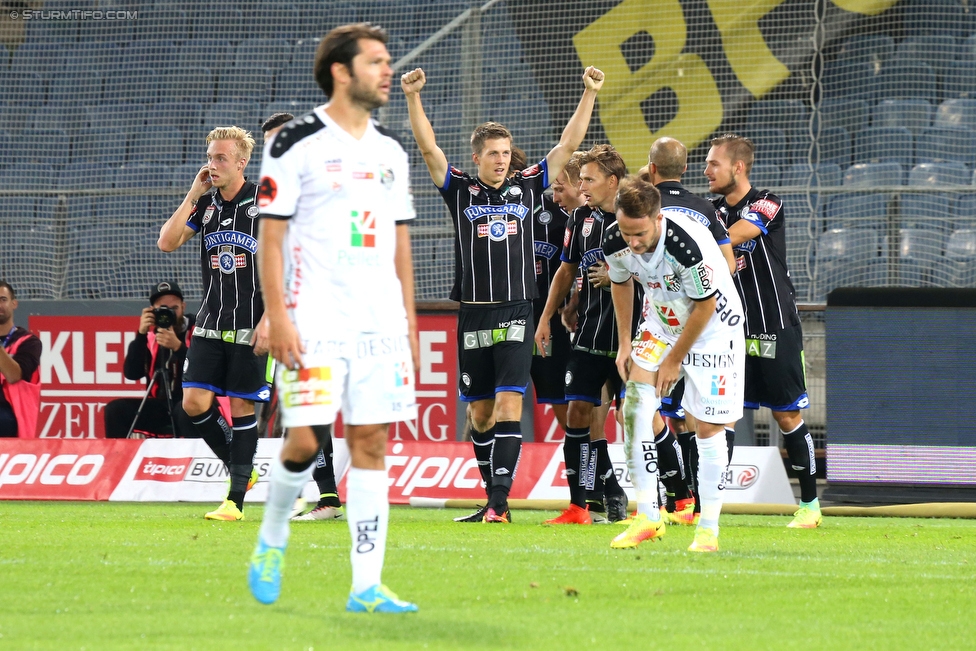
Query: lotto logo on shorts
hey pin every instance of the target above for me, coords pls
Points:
(306, 387)
(718, 385)
(362, 226)
(402, 375)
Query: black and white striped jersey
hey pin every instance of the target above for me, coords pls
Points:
(550, 229)
(583, 247)
(676, 201)
(228, 248)
(494, 244)
(763, 277)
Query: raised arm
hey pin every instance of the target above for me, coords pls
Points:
(411, 83)
(175, 232)
(576, 128)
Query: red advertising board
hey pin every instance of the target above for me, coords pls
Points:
(81, 371)
(63, 470)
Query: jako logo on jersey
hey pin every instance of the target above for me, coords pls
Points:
(668, 316)
(545, 249)
(362, 226)
(230, 238)
(718, 385)
(496, 212)
(498, 229)
(267, 191)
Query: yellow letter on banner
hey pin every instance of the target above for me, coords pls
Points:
(738, 23)
(866, 7)
(699, 103)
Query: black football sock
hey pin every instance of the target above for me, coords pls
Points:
(670, 466)
(324, 473)
(689, 451)
(604, 469)
(573, 457)
(215, 432)
(799, 448)
(483, 443)
(242, 449)
(730, 441)
(504, 462)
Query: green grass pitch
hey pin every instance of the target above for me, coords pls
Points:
(102, 576)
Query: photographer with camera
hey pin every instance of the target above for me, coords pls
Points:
(157, 354)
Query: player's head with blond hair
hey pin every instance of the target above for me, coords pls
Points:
(565, 187)
(228, 152)
(491, 151)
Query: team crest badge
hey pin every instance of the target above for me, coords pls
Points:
(515, 191)
(545, 217)
(253, 212)
(588, 226)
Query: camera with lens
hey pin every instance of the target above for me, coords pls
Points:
(165, 316)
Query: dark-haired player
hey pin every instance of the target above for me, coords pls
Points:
(338, 280)
(495, 274)
(775, 375)
(328, 506)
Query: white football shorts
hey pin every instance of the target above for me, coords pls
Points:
(714, 371)
(370, 378)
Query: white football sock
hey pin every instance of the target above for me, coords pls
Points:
(284, 486)
(640, 404)
(713, 458)
(368, 514)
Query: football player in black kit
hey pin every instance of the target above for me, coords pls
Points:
(667, 161)
(775, 375)
(495, 274)
(221, 204)
(592, 361)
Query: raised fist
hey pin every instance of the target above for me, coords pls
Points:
(593, 78)
(411, 82)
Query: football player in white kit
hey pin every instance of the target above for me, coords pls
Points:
(335, 204)
(692, 328)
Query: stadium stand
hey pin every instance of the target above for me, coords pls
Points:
(91, 111)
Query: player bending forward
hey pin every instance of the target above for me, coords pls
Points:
(692, 328)
(338, 281)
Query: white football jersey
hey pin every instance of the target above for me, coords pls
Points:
(343, 199)
(685, 266)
